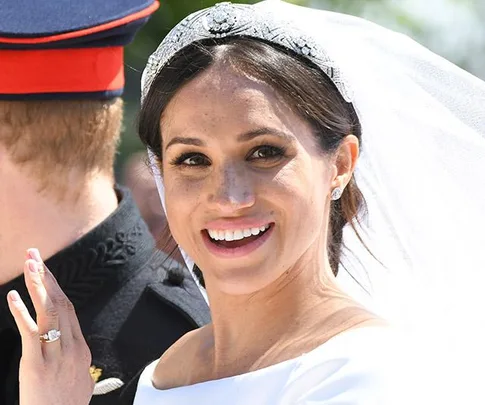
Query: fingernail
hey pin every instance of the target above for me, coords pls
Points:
(34, 254)
(33, 267)
(14, 295)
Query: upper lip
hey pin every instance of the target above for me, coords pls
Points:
(236, 223)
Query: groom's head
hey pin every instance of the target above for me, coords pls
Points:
(47, 139)
(61, 78)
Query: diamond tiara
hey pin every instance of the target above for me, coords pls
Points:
(231, 20)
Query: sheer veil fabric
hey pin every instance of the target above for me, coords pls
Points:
(161, 190)
(422, 174)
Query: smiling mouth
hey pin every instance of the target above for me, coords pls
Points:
(232, 239)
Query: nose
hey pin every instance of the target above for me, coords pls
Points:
(232, 189)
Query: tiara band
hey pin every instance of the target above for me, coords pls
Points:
(240, 20)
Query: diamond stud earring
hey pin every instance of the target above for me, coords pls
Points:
(336, 193)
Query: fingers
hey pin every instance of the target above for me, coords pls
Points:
(61, 303)
(65, 309)
(28, 329)
(68, 322)
(53, 308)
(47, 312)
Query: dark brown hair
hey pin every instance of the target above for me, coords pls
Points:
(304, 87)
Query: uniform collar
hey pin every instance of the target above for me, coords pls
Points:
(108, 254)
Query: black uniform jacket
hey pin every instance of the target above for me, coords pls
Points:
(132, 303)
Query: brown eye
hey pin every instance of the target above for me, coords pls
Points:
(266, 152)
(197, 160)
(192, 159)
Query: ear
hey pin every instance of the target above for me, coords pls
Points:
(346, 158)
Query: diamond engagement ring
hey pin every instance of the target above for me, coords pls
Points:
(50, 336)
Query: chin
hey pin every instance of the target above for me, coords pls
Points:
(243, 280)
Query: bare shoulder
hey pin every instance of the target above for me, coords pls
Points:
(178, 364)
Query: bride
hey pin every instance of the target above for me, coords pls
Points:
(256, 117)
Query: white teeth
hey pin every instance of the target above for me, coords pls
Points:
(237, 234)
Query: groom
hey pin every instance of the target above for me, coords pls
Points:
(61, 77)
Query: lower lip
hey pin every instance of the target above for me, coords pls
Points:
(236, 252)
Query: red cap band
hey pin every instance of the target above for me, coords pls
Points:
(66, 70)
(61, 70)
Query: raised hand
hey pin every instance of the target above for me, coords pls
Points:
(54, 368)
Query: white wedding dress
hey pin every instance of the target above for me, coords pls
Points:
(363, 366)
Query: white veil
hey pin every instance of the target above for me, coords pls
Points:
(422, 173)
(161, 191)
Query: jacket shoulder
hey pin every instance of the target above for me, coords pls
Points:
(159, 304)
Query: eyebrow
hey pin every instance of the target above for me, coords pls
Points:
(244, 137)
(247, 136)
(184, 141)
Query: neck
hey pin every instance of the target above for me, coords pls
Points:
(295, 311)
(39, 218)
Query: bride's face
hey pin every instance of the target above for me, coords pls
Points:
(246, 184)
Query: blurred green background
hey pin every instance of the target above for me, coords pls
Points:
(451, 28)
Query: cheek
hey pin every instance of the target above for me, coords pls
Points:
(181, 200)
(303, 180)
(301, 188)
